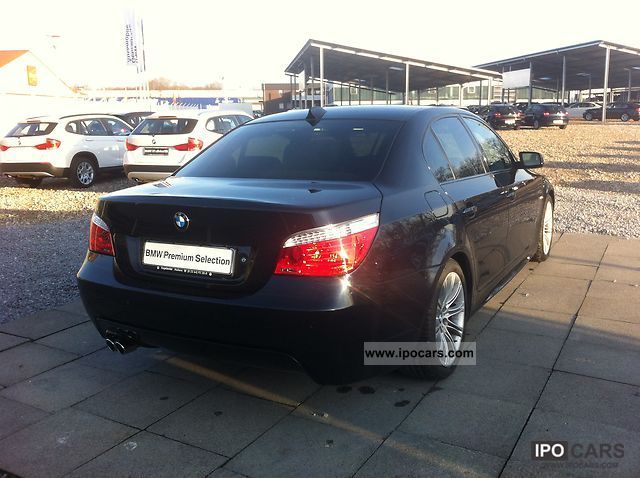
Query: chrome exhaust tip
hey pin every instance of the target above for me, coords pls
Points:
(111, 345)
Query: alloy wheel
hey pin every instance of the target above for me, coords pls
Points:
(85, 173)
(547, 228)
(450, 314)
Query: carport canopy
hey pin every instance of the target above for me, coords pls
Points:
(347, 65)
(596, 64)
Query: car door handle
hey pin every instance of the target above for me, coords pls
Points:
(470, 211)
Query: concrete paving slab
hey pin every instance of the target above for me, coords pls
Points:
(7, 341)
(609, 300)
(15, 415)
(406, 454)
(477, 322)
(496, 302)
(624, 247)
(29, 359)
(557, 268)
(375, 406)
(299, 447)
(586, 249)
(602, 401)
(554, 294)
(516, 347)
(560, 427)
(128, 364)
(58, 444)
(537, 322)
(492, 426)
(75, 307)
(599, 361)
(612, 333)
(43, 323)
(81, 339)
(225, 473)
(499, 380)
(221, 421)
(622, 269)
(146, 454)
(61, 387)
(282, 386)
(142, 399)
(201, 370)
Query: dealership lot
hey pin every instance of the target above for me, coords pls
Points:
(557, 360)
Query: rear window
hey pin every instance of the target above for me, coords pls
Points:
(157, 126)
(31, 129)
(505, 109)
(554, 108)
(332, 150)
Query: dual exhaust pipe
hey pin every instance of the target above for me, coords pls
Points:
(121, 344)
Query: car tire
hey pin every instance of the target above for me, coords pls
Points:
(624, 117)
(28, 182)
(83, 172)
(516, 127)
(545, 232)
(564, 126)
(588, 116)
(446, 290)
(536, 124)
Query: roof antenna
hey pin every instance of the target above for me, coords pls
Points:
(315, 115)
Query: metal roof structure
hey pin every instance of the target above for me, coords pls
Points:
(343, 64)
(584, 65)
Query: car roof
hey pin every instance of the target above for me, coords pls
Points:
(56, 119)
(378, 112)
(195, 114)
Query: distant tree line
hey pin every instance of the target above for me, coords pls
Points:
(162, 83)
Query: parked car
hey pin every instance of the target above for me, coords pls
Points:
(523, 106)
(134, 118)
(165, 141)
(622, 111)
(312, 231)
(77, 147)
(501, 116)
(546, 115)
(576, 110)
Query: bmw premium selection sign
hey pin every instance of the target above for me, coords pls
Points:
(207, 261)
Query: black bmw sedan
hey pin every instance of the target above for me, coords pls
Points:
(312, 232)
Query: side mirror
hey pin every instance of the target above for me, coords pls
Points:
(530, 160)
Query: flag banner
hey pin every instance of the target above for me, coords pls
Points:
(131, 37)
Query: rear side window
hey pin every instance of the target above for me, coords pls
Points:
(243, 119)
(436, 160)
(221, 124)
(494, 150)
(117, 128)
(332, 150)
(94, 127)
(31, 129)
(156, 126)
(459, 147)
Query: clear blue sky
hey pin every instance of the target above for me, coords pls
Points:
(250, 42)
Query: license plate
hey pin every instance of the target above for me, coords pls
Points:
(194, 260)
(558, 121)
(156, 151)
(509, 121)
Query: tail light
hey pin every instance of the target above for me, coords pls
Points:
(546, 113)
(328, 251)
(3, 147)
(191, 145)
(497, 115)
(48, 144)
(100, 237)
(131, 147)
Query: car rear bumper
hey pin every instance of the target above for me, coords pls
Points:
(35, 170)
(149, 172)
(320, 322)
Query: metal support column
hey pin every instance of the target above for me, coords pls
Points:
(406, 83)
(564, 77)
(489, 91)
(606, 84)
(313, 88)
(530, 83)
(418, 97)
(460, 94)
(321, 77)
(372, 90)
(387, 87)
(629, 89)
(480, 94)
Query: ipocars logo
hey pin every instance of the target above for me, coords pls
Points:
(562, 450)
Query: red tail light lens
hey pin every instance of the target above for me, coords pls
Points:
(100, 237)
(546, 113)
(497, 115)
(191, 145)
(3, 147)
(328, 251)
(48, 144)
(131, 147)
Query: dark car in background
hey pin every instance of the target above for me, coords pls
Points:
(619, 110)
(546, 114)
(134, 118)
(313, 231)
(501, 116)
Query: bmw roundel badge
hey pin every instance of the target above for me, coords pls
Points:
(181, 220)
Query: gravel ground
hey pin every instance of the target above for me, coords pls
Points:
(43, 232)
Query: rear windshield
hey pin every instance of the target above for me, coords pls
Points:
(505, 109)
(31, 129)
(554, 108)
(157, 126)
(332, 150)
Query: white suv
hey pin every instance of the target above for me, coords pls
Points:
(75, 147)
(165, 141)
